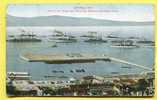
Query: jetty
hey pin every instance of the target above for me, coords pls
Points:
(75, 58)
(63, 58)
(130, 63)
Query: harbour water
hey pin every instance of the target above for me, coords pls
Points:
(142, 55)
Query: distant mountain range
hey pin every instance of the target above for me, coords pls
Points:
(56, 20)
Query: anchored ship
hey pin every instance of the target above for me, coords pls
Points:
(60, 37)
(90, 34)
(96, 40)
(125, 44)
(25, 37)
(112, 36)
(146, 42)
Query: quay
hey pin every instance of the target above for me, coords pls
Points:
(75, 58)
(63, 58)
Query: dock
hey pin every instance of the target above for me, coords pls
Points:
(63, 58)
(75, 58)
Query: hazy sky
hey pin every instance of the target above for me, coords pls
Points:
(103, 11)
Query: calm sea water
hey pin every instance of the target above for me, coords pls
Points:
(143, 56)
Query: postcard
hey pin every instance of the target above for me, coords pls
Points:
(80, 50)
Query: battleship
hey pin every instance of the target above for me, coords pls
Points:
(96, 40)
(125, 44)
(146, 42)
(60, 37)
(89, 34)
(66, 39)
(24, 37)
(112, 36)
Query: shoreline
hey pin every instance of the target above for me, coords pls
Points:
(73, 87)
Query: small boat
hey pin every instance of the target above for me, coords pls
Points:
(61, 71)
(83, 70)
(48, 76)
(80, 70)
(54, 45)
(51, 76)
(71, 71)
(63, 76)
(114, 72)
(56, 71)
(133, 37)
(128, 67)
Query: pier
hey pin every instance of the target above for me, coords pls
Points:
(63, 58)
(75, 58)
(129, 63)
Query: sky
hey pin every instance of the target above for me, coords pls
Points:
(119, 12)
